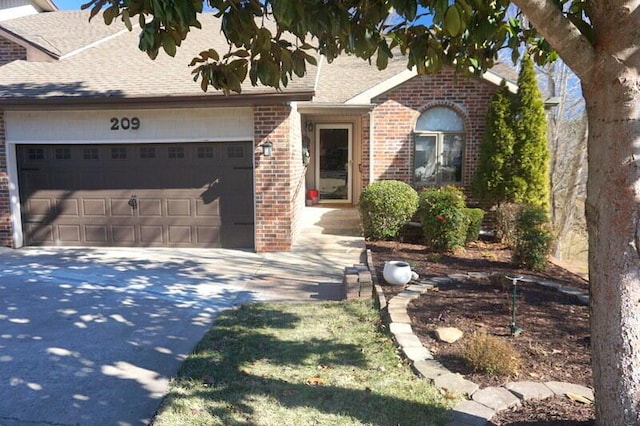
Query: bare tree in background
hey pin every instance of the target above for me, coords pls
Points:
(567, 135)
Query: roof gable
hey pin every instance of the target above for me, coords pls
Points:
(365, 97)
(353, 81)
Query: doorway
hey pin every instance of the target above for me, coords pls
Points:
(333, 162)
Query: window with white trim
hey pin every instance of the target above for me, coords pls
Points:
(439, 147)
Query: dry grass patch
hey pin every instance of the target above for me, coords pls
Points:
(491, 355)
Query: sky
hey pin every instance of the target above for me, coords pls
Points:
(69, 4)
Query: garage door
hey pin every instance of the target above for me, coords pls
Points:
(169, 195)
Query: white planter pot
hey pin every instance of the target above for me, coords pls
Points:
(396, 272)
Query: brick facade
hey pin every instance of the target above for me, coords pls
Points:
(278, 200)
(279, 179)
(6, 238)
(10, 51)
(398, 109)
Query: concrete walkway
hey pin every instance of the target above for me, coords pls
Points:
(92, 336)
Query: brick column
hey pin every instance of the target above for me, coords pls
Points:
(6, 229)
(278, 202)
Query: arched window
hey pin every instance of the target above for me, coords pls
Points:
(439, 147)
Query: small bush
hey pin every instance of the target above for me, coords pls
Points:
(474, 219)
(506, 222)
(491, 355)
(533, 238)
(443, 217)
(385, 206)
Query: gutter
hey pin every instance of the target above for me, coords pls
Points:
(46, 5)
(331, 108)
(107, 101)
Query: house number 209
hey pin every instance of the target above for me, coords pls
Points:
(125, 123)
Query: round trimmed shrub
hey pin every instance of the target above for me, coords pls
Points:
(385, 206)
(533, 238)
(443, 217)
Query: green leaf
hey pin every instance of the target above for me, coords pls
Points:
(453, 24)
(384, 54)
(126, 19)
(109, 14)
(152, 53)
(96, 9)
(169, 45)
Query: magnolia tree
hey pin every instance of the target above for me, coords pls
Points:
(271, 41)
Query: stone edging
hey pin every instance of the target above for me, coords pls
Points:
(482, 403)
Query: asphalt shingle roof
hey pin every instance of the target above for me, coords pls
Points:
(117, 68)
(104, 61)
(348, 76)
(61, 32)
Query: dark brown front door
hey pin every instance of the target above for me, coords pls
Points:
(168, 195)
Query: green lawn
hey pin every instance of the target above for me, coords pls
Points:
(299, 364)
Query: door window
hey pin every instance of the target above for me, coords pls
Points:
(334, 162)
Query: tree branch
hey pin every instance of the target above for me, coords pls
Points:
(573, 47)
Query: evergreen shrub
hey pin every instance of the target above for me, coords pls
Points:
(529, 168)
(533, 238)
(385, 206)
(474, 220)
(442, 212)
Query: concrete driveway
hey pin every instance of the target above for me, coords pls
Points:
(93, 336)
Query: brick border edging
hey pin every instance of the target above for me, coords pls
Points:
(484, 403)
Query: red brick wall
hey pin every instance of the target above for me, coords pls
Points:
(365, 151)
(10, 51)
(278, 202)
(398, 109)
(6, 239)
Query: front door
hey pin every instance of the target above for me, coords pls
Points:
(333, 162)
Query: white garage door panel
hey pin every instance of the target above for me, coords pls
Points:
(192, 124)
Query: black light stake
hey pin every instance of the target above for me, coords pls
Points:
(515, 330)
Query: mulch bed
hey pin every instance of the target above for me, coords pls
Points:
(553, 347)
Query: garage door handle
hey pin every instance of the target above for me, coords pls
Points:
(133, 201)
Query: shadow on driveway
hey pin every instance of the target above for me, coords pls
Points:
(92, 336)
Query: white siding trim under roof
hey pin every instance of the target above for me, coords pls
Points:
(496, 79)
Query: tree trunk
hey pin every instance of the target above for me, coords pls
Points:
(613, 221)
